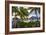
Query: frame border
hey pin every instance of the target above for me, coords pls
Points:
(21, 2)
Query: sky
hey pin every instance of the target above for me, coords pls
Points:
(33, 14)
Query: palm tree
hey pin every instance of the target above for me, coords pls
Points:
(20, 11)
(23, 12)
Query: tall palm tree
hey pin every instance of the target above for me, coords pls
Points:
(21, 11)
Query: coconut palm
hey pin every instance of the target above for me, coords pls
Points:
(21, 11)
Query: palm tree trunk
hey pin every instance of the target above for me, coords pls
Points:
(15, 21)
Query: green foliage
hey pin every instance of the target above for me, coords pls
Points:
(22, 12)
(15, 9)
(27, 25)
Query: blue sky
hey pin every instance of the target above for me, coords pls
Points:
(33, 14)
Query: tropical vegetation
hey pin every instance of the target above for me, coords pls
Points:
(23, 13)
